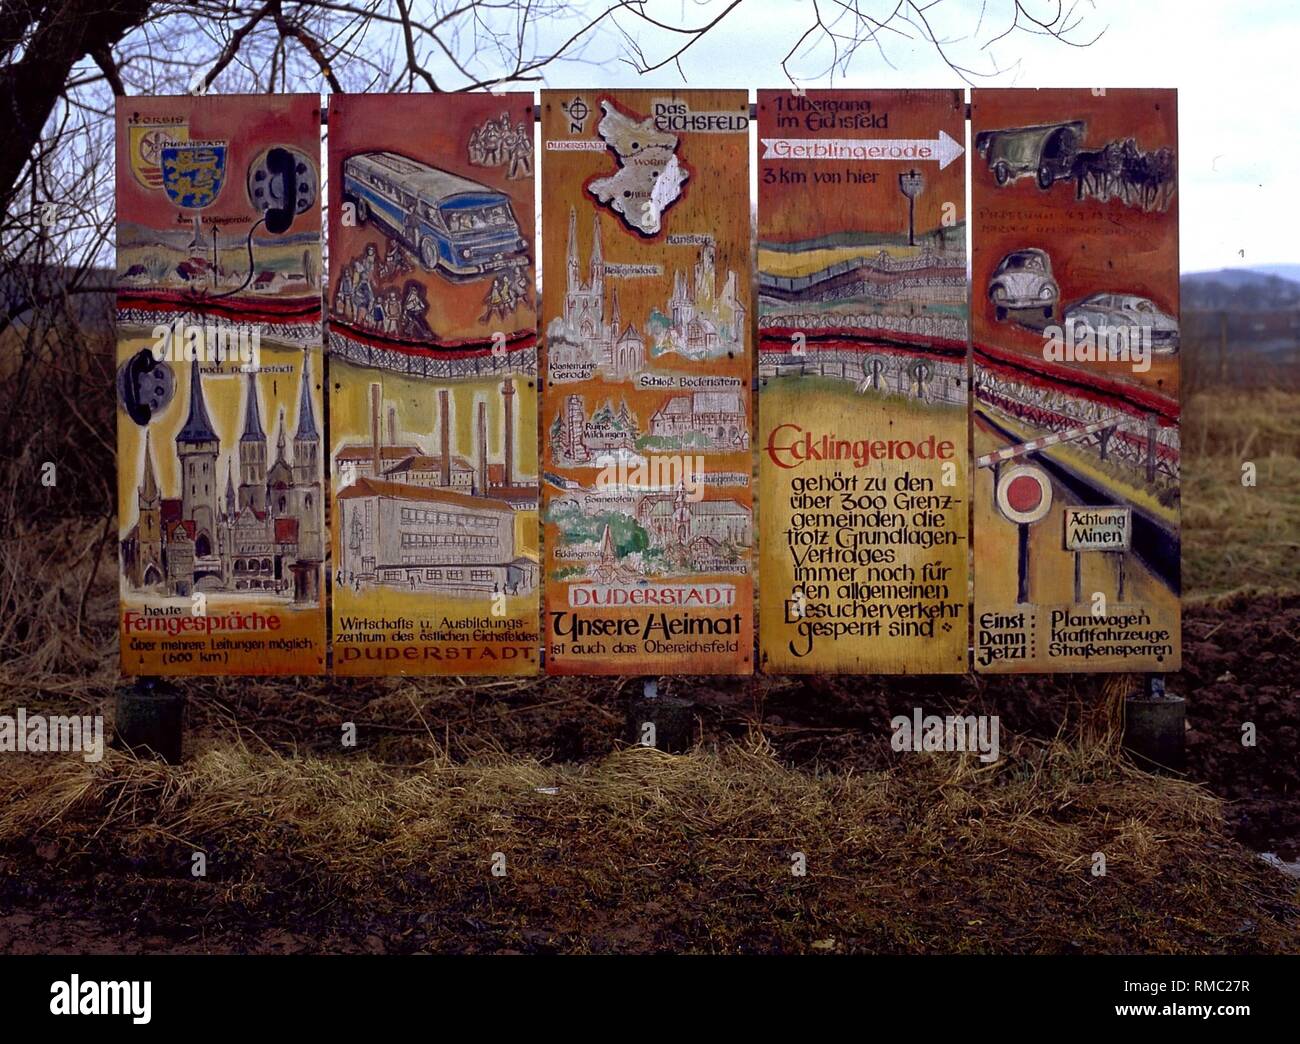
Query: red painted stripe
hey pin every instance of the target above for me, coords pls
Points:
(443, 349)
(252, 309)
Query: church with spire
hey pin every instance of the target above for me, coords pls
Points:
(582, 335)
(262, 531)
(699, 321)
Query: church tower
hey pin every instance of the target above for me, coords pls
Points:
(306, 439)
(733, 309)
(574, 283)
(279, 476)
(149, 531)
(306, 472)
(681, 516)
(230, 491)
(252, 454)
(226, 536)
(597, 261)
(584, 304)
(196, 447)
(281, 443)
(680, 304)
(705, 280)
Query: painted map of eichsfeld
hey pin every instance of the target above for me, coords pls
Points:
(649, 179)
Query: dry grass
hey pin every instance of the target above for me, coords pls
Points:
(1239, 537)
(1240, 424)
(58, 624)
(642, 851)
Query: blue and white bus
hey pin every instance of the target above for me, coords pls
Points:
(449, 222)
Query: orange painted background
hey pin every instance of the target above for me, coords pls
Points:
(713, 201)
(1094, 245)
(1121, 610)
(433, 129)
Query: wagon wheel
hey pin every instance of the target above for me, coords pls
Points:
(1001, 172)
(1045, 176)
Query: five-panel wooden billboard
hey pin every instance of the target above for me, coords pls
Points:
(490, 477)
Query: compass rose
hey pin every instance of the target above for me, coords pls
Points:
(577, 110)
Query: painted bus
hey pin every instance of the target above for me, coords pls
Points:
(447, 221)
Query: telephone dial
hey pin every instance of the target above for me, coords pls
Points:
(282, 184)
(145, 386)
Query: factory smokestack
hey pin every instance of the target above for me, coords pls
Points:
(392, 425)
(508, 393)
(482, 449)
(444, 425)
(374, 430)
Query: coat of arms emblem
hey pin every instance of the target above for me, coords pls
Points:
(193, 172)
(146, 142)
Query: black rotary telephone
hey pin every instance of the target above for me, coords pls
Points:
(282, 184)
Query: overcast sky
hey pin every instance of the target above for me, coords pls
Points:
(1235, 66)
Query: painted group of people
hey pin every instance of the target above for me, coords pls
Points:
(507, 292)
(499, 144)
(361, 298)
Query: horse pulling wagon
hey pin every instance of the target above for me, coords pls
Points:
(1053, 152)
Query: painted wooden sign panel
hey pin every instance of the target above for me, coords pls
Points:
(433, 381)
(219, 385)
(1076, 380)
(647, 460)
(863, 472)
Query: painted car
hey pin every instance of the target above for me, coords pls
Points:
(1023, 279)
(1109, 310)
(449, 222)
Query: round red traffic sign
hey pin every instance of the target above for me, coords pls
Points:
(1024, 493)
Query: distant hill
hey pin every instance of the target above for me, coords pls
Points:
(1268, 287)
(1285, 271)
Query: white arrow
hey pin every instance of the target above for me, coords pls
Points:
(942, 150)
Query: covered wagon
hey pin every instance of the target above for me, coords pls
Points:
(1047, 151)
